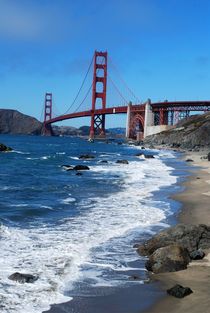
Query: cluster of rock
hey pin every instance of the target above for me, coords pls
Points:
(172, 249)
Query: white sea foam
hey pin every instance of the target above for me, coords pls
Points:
(68, 200)
(82, 246)
(19, 152)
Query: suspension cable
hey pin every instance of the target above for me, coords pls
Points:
(77, 95)
(123, 81)
(88, 89)
(126, 101)
(84, 98)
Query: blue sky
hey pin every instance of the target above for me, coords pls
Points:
(160, 47)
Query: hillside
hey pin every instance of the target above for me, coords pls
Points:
(14, 122)
(190, 133)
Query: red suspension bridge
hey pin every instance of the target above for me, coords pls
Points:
(142, 118)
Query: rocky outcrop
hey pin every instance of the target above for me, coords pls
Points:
(23, 278)
(4, 148)
(191, 237)
(168, 259)
(14, 122)
(179, 291)
(192, 133)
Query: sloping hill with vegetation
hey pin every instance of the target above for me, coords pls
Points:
(191, 133)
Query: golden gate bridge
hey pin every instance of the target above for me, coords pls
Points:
(142, 118)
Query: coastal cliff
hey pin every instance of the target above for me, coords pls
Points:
(14, 122)
(191, 133)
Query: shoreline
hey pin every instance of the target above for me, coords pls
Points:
(132, 299)
(195, 209)
(194, 198)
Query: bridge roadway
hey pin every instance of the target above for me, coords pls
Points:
(166, 105)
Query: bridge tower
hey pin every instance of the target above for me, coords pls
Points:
(99, 94)
(47, 130)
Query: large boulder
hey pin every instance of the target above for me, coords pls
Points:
(81, 167)
(23, 278)
(75, 168)
(191, 237)
(4, 148)
(168, 259)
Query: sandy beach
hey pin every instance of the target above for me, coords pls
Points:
(195, 201)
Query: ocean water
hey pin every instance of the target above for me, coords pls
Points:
(77, 232)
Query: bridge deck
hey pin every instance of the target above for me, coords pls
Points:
(166, 105)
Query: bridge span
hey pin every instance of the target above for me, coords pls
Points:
(142, 119)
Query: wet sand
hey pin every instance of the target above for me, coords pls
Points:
(195, 210)
(113, 300)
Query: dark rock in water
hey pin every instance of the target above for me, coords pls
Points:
(191, 237)
(4, 148)
(208, 156)
(79, 174)
(86, 157)
(134, 277)
(179, 291)
(122, 162)
(168, 259)
(23, 278)
(149, 156)
(103, 161)
(67, 167)
(75, 168)
(81, 167)
(197, 254)
(189, 160)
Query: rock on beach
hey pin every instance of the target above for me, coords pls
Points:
(23, 278)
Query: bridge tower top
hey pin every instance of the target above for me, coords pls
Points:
(99, 92)
(48, 107)
(47, 113)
